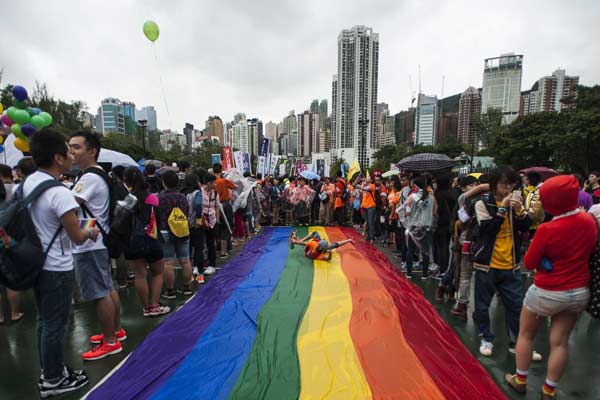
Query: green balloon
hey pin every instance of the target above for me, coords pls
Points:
(30, 111)
(151, 30)
(38, 121)
(16, 129)
(22, 117)
(11, 112)
(46, 117)
(19, 104)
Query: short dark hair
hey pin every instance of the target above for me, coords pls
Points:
(217, 168)
(502, 172)
(534, 178)
(27, 166)
(183, 165)
(45, 145)
(91, 140)
(258, 176)
(169, 179)
(339, 174)
(118, 171)
(580, 179)
(596, 173)
(246, 174)
(150, 169)
(6, 171)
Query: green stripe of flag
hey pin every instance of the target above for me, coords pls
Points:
(272, 370)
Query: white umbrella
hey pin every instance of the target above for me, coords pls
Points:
(116, 158)
(11, 155)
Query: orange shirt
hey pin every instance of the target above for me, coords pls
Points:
(393, 199)
(311, 251)
(223, 187)
(368, 198)
(339, 192)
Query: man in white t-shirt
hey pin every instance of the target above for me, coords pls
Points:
(54, 215)
(91, 259)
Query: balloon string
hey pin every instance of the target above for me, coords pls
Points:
(162, 86)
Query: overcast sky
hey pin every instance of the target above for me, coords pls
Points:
(267, 57)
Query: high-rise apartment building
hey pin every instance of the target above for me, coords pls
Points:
(381, 112)
(308, 133)
(290, 126)
(129, 116)
(404, 126)
(548, 92)
(447, 128)
(502, 85)
(255, 135)
(314, 106)
(355, 90)
(149, 114)
(389, 131)
(426, 120)
(469, 107)
(334, 96)
(188, 131)
(214, 128)
(110, 117)
(239, 136)
(323, 113)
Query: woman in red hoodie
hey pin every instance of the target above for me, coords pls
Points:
(559, 253)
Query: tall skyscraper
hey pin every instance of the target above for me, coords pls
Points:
(381, 112)
(404, 126)
(239, 117)
(239, 137)
(129, 116)
(389, 128)
(255, 135)
(502, 85)
(214, 127)
(323, 114)
(356, 97)
(426, 120)
(548, 92)
(469, 107)
(188, 131)
(334, 96)
(314, 106)
(110, 117)
(308, 133)
(290, 125)
(149, 114)
(271, 130)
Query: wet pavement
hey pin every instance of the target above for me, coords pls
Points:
(19, 368)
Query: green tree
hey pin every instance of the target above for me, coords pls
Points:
(489, 125)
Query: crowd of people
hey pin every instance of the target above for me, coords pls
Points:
(450, 229)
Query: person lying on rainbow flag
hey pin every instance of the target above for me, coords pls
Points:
(316, 248)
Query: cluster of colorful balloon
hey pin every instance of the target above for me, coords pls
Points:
(21, 120)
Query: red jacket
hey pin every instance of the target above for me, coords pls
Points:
(566, 241)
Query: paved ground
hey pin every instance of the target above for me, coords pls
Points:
(19, 363)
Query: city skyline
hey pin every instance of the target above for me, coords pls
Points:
(212, 81)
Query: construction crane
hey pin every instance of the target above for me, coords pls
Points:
(412, 92)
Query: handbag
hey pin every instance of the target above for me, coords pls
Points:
(594, 306)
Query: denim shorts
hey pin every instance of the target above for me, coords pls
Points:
(548, 302)
(175, 247)
(93, 271)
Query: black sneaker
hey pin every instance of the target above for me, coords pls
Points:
(186, 291)
(65, 384)
(66, 372)
(169, 294)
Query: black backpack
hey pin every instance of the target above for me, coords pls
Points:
(21, 254)
(113, 242)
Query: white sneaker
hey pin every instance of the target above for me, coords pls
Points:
(486, 348)
(195, 271)
(209, 270)
(534, 357)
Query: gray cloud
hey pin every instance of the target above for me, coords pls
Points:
(265, 58)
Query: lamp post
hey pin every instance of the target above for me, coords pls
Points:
(143, 123)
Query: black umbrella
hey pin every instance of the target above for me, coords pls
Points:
(425, 162)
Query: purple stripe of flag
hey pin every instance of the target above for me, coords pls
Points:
(159, 356)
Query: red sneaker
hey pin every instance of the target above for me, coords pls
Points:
(97, 339)
(102, 350)
(200, 278)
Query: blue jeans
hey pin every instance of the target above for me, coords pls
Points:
(53, 293)
(510, 286)
(371, 214)
(424, 249)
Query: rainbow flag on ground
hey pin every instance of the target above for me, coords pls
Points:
(274, 324)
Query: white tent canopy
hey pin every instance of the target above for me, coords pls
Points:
(12, 155)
